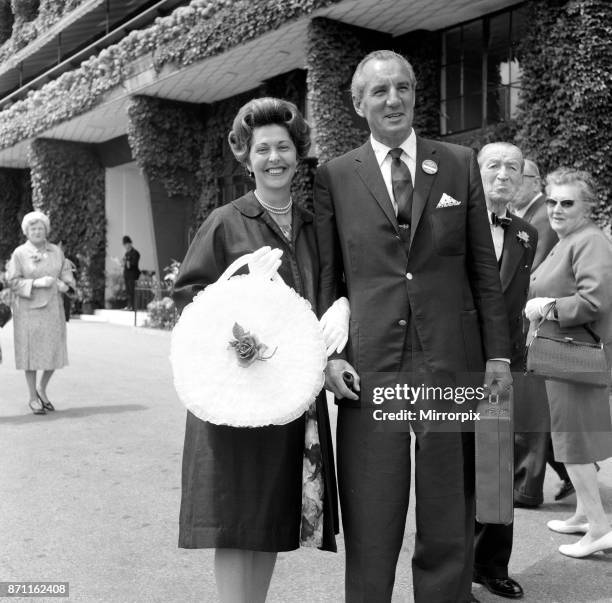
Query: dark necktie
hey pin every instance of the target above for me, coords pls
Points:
(401, 181)
(497, 221)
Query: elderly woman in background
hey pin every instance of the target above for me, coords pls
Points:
(38, 275)
(576, 277)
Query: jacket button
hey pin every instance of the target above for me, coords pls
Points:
(402, 323)
(409, 275)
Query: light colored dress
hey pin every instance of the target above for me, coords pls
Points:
(38, 313)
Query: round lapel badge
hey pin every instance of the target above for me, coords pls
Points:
(429, 166)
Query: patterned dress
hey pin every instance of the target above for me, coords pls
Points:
(38, 313)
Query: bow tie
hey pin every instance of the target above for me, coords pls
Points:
(497, 221)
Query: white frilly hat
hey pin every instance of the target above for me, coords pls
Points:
(34, 216)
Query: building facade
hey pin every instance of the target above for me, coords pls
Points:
(114, 114)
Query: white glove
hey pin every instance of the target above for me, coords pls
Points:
(43, 282)
(538, 307)
(335, 325)
(265, 262)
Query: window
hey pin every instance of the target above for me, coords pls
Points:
(480, 75)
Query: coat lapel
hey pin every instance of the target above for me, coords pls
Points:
(534, 207)
(511, 255)
(423, 181)
(369, 171)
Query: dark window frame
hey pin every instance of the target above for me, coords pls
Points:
(486, 89)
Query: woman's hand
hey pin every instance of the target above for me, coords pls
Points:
(62, 286)
(335, 325)
(265, 262)
(538, 307)
(43, 282)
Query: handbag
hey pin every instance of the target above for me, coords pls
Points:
(566, 354)
(5, 313)
(221, 375)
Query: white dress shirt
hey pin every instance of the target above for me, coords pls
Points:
(384, 160)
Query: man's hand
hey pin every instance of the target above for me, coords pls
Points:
(334, 381)
(62, 286)
(498, 379)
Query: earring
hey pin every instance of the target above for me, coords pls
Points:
(250, 174)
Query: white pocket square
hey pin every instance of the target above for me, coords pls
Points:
(447, 201)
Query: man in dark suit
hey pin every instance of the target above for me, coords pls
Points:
(131, 272)
(533, 447)
(402, 230)
(515, 242)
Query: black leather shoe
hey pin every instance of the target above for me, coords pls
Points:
(502, 587)
(566, 489)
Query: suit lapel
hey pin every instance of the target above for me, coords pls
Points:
(511, 255)
(423, 181)
(534, 208)
(369, 171)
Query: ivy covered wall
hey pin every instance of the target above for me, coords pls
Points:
(333, 51)
(68, 185)
(166, 139)
(22, 21)
(15, 202)
(184, 146)
(565, 116)
(422, 49)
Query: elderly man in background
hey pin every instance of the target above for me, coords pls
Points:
(501, 168)
(533, 447)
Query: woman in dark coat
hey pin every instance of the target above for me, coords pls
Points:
(242, 487)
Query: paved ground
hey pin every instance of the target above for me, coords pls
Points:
(90, 494)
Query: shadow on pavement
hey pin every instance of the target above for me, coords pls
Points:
(549, 580)
(72, 413)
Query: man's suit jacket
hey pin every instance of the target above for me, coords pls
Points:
(515, 269)
(537, 216)
(449, 280)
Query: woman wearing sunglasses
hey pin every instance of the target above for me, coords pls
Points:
(576, 277)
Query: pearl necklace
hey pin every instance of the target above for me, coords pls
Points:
(279, 211)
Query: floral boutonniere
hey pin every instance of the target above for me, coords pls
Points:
(247, 346)
(523, 238)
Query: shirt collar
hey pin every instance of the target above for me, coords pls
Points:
(382, 150)
(31, 247)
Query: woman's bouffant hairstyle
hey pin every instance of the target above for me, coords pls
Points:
(582, 179)
(265, 112)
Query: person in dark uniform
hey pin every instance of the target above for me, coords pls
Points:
(131, 271)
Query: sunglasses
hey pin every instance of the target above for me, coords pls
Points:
(565, 203)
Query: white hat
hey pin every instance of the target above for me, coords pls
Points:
(34, 216)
